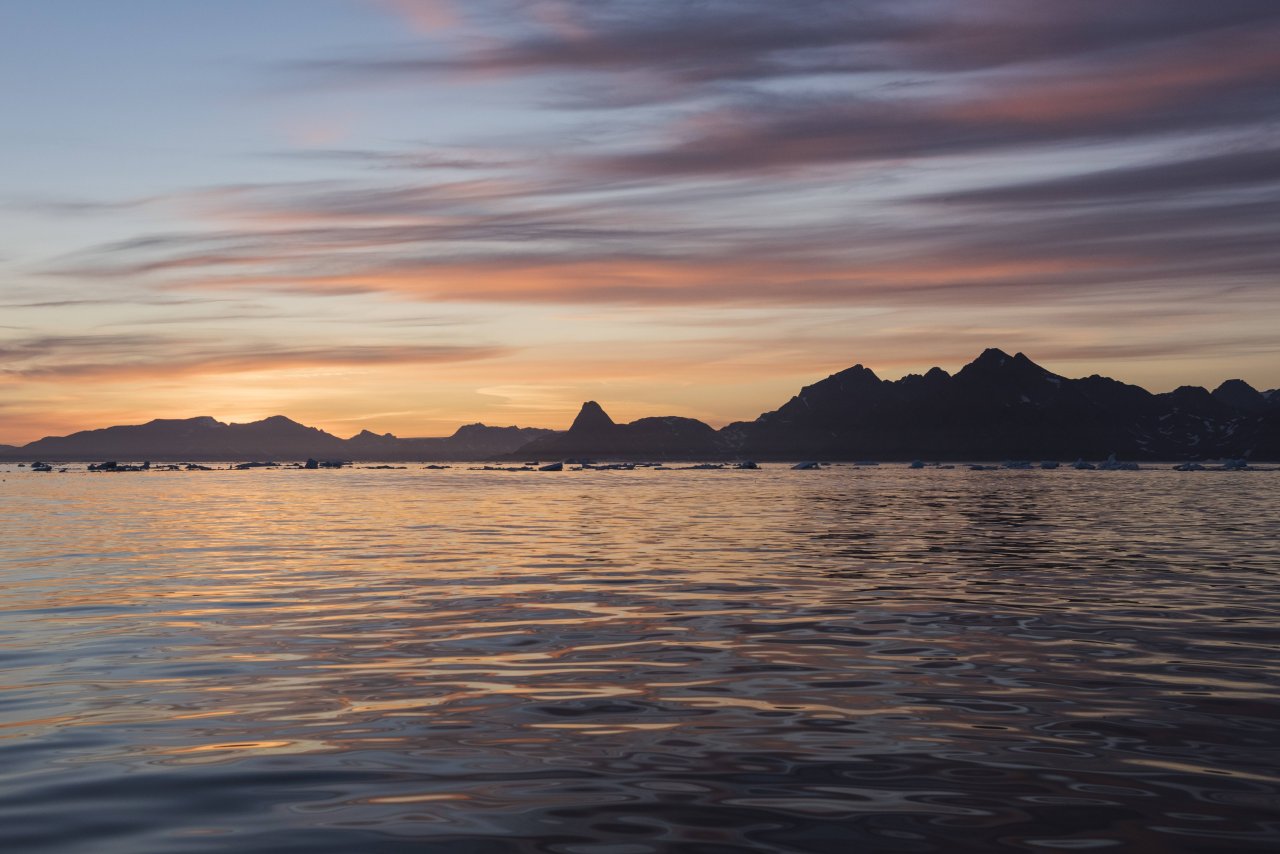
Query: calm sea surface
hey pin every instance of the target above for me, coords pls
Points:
(629, 662)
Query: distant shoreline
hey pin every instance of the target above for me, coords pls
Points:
(996, 407)
(602, 464)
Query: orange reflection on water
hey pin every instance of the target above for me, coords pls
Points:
(526, 641)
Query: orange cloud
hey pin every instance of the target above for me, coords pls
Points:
(181, 362)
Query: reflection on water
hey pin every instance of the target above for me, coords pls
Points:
(632, 662)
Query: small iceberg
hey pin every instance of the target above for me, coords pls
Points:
(916, 464)
(1082, 465)
(552, 467)
(1188, 467)
(1049, 464)
(747, 464)
(807, 465)
(1234, 465)
(1017, 464)
(1112, 464)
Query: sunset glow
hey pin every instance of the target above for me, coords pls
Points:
(407, 215)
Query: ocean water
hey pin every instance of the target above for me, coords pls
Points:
(630, 662)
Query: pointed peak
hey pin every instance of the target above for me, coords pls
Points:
(995, 359)
(1021, 359)
(591, 417)
(857, 373)
(935, 374)
(993, 356)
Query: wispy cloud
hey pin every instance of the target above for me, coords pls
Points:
(417, 159)
(681, 46)
(1253, 169)
(731, 198)
(130, 357)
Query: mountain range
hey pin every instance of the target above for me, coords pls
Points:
(274, 438)
(1001, 406)
(996, 407)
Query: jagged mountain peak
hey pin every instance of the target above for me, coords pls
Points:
(858, 373)
(995, 358)
(996, 365)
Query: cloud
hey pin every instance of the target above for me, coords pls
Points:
(815, 152)
(128, 357)
(1248, 169)
(922, 156)
(1230, 85)
(418, 160)
(430, 244)
(689, 48)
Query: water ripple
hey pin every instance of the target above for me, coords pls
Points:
(635, 662)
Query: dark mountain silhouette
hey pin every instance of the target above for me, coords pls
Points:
(206, 437)
(469, 442)
(276, 437)
(1001, 406)
(996, 407)
(1238, 394)
(591, 419)
(594, 434)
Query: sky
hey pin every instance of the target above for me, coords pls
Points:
(407, 215)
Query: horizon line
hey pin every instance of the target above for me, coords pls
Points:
(996, 351)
